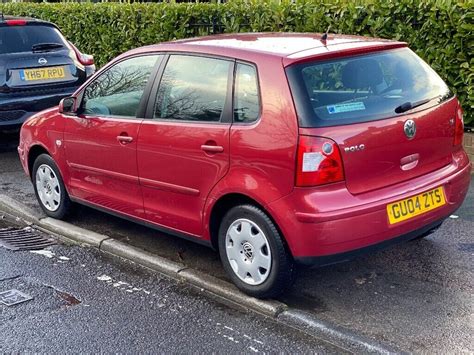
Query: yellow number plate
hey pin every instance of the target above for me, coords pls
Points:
(42, 73)
(415, 205)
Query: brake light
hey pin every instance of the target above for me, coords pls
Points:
(84, 59)
(15, 22)
(319, 162)
(459, 127)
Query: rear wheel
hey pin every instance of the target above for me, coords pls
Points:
(253, 252)
(49, 187)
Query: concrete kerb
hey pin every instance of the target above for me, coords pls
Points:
(219, 289)
(231, 294)
(19, 210)
(76, 234)
(340, 336)
(142, 257)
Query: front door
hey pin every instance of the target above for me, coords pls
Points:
(183, 148)
(101, 142)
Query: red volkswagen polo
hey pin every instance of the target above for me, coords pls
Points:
(273, 148)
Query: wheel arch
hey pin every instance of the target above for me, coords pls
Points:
(34, 152)
(227, 201)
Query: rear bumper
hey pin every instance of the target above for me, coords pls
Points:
(349, 255)
(329, 224)
(15, 109)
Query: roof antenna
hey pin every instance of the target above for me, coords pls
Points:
(324, 37)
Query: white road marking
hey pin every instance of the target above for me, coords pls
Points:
(238, 334)
(230, 338)
(104, 278)
(47, 253)
(122, 285)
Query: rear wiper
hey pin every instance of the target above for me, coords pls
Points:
(45, 46)
(407, 106)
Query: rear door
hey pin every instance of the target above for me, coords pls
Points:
(35, 57)
(389, 112)
(101, 142)
(183, 145)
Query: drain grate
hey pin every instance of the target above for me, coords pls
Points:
(23, 239)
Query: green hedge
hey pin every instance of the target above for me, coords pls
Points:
(440, 31)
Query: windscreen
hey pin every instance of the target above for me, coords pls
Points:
(363, 88)
(16, 39)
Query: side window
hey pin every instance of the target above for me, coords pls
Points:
(118, 91)
(193, 89)
(246, 95)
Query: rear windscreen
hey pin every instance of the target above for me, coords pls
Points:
(15, 39)
(362, 88)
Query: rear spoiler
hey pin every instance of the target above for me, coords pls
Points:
(341, 50)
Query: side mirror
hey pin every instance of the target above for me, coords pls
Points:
(67, 106)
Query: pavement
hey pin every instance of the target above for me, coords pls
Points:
(416, 297)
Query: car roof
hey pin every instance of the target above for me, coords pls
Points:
(291, 47)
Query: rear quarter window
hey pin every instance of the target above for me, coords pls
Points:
(17, 39)
(246, 94)
(362, 88)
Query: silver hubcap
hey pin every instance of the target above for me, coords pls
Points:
(47, 185)
(248, 252)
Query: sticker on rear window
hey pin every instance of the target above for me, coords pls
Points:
(348, 107)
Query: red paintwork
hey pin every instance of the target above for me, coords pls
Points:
(164, 176)
(176, 175)
(102, 170)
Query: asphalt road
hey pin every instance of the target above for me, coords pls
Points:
(86, 303)
(417, 296)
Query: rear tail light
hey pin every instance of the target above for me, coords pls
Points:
(319, 162)
(84, 59)
(459, 127)
(15, 22)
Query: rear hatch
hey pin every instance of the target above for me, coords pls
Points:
(36, 57)
(391, 115)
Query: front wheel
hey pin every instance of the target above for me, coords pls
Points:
(253, 252)
(49, 187)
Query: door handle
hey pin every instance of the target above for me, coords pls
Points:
(212, 148)
(124, 139)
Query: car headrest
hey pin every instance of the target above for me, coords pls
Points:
(361, 74)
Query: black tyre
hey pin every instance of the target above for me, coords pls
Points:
(254, 254)
(49, 187)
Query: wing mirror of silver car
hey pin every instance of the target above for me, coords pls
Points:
(68, 106)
